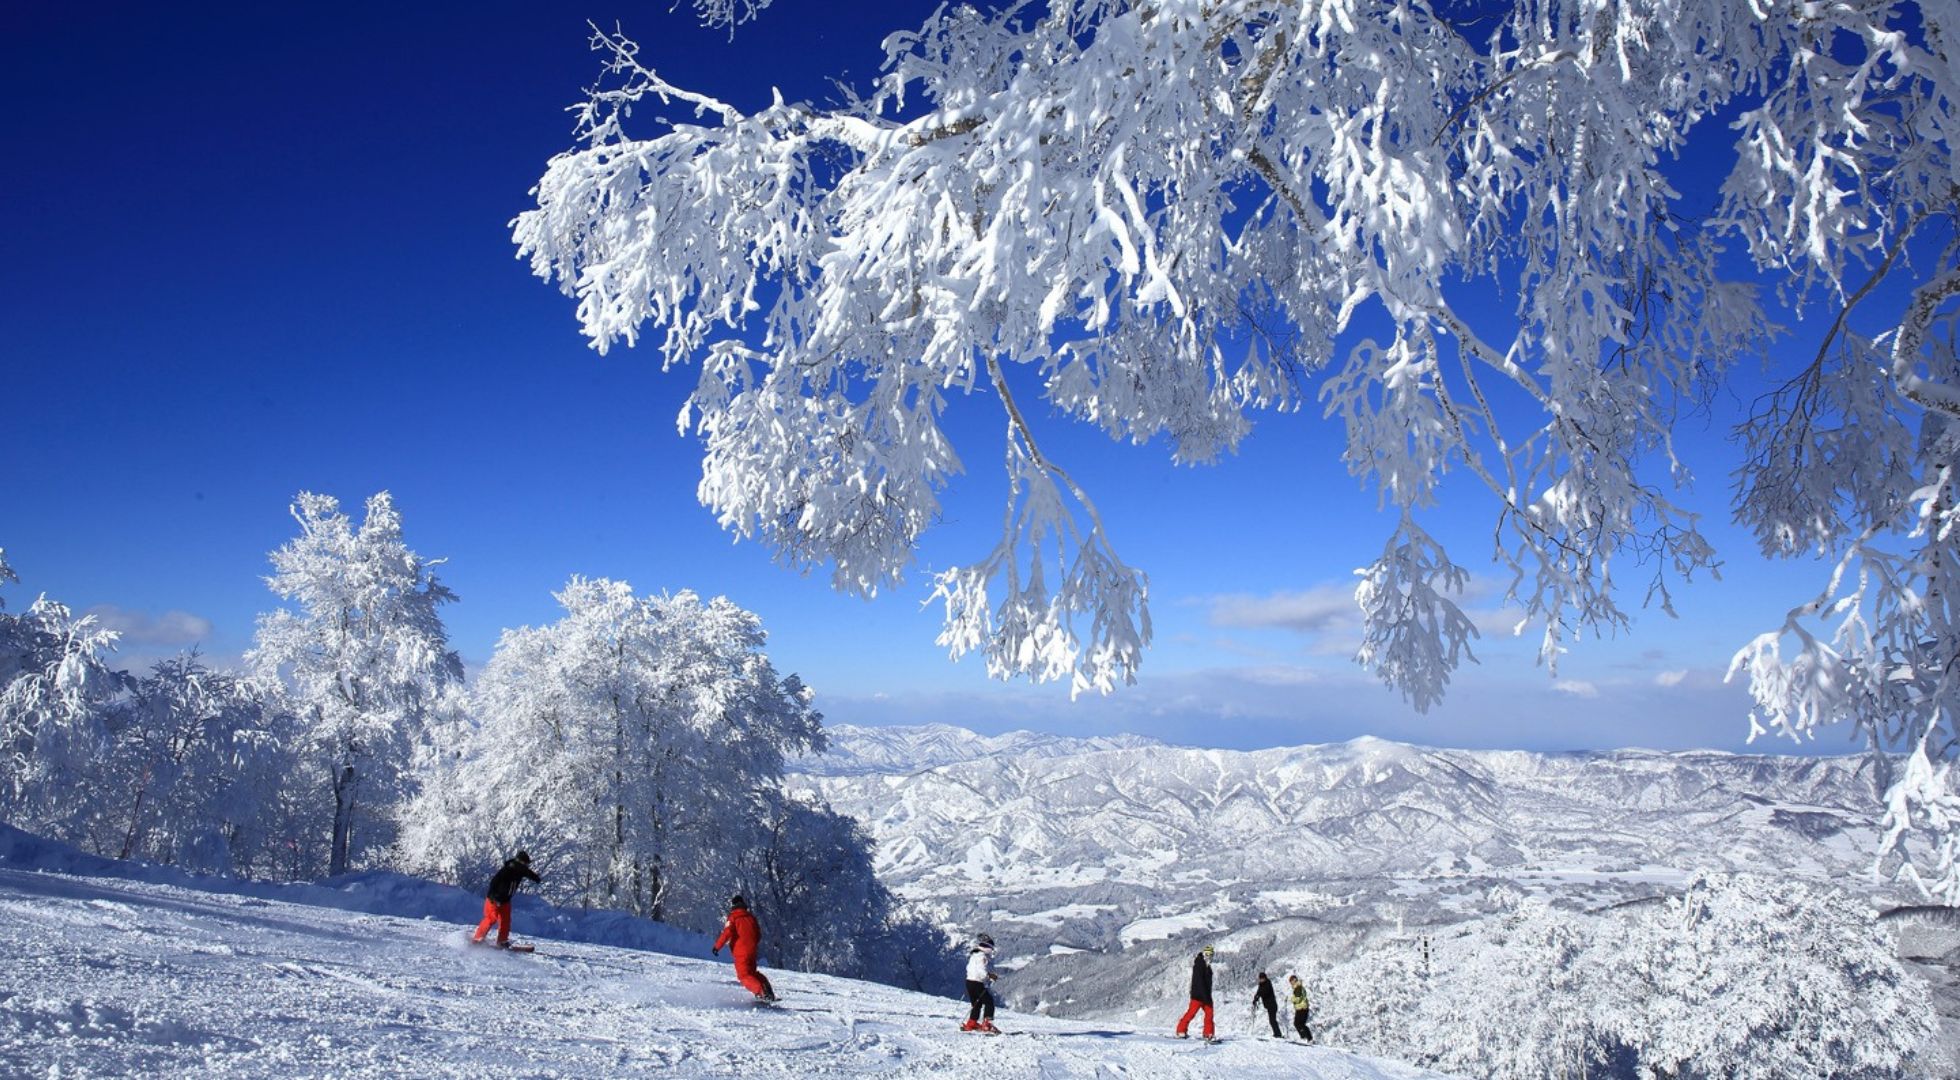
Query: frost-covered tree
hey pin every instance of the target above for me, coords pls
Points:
(55, 685)
(1160, 216)
(195, 764)
(1372, 1000)
(1739, 977)
(364, 660)
(633, 747)
(1752, 977)
(811, 882)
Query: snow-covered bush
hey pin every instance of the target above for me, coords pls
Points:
(1739, 977)
(365, 665)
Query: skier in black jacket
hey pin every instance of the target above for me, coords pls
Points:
(496, 899)
(1200, 995)
(1265, 996)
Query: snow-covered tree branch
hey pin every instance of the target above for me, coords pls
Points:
(1160, 217)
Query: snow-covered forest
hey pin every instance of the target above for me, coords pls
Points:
(636, 747)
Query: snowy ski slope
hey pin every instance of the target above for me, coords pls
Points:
(122, 976)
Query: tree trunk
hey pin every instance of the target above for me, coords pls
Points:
(343, 821)
(136, 817)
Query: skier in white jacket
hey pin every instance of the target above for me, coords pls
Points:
(979, 977)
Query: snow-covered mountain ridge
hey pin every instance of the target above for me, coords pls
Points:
(855, 751)
(1093, 847)
(125, 970)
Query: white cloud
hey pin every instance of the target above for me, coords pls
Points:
(1313, 611)
(1279, 675)
(1671, 678)
(172, 629)
(1329, 611)
(1576, 688)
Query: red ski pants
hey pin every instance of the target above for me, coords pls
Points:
(497, 915)
(1184, 1024)
(745, 970)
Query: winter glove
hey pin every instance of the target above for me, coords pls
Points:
(714, 952)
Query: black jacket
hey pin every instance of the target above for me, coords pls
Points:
(1200, 979)
(1264, 995)
(504, 885)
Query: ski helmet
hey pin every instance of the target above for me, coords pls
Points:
(736, 901)
(524, 857)
(1208, 951)
(985, 941)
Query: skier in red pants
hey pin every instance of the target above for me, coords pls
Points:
(743, 935)
(1200, 995)
(496, 899)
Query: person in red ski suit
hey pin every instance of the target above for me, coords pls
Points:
(742, 935)
(496, 899)
(1200, 994)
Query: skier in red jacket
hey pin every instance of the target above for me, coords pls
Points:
(743, 935)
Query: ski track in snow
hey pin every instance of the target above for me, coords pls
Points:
(115, 977)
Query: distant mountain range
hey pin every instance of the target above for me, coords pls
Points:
(1064, 846)
(856, 751)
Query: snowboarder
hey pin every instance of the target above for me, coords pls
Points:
(1200, 995)
(1265, 996)
(979, 977)
(1300, 1008)
(497, 898)
(742, 935)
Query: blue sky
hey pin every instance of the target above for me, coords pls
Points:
(259, 249)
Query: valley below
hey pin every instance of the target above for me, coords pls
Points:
(1101, 865)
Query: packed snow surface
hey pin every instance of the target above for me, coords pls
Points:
(153, 974)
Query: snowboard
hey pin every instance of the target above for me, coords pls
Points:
(504, 948)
